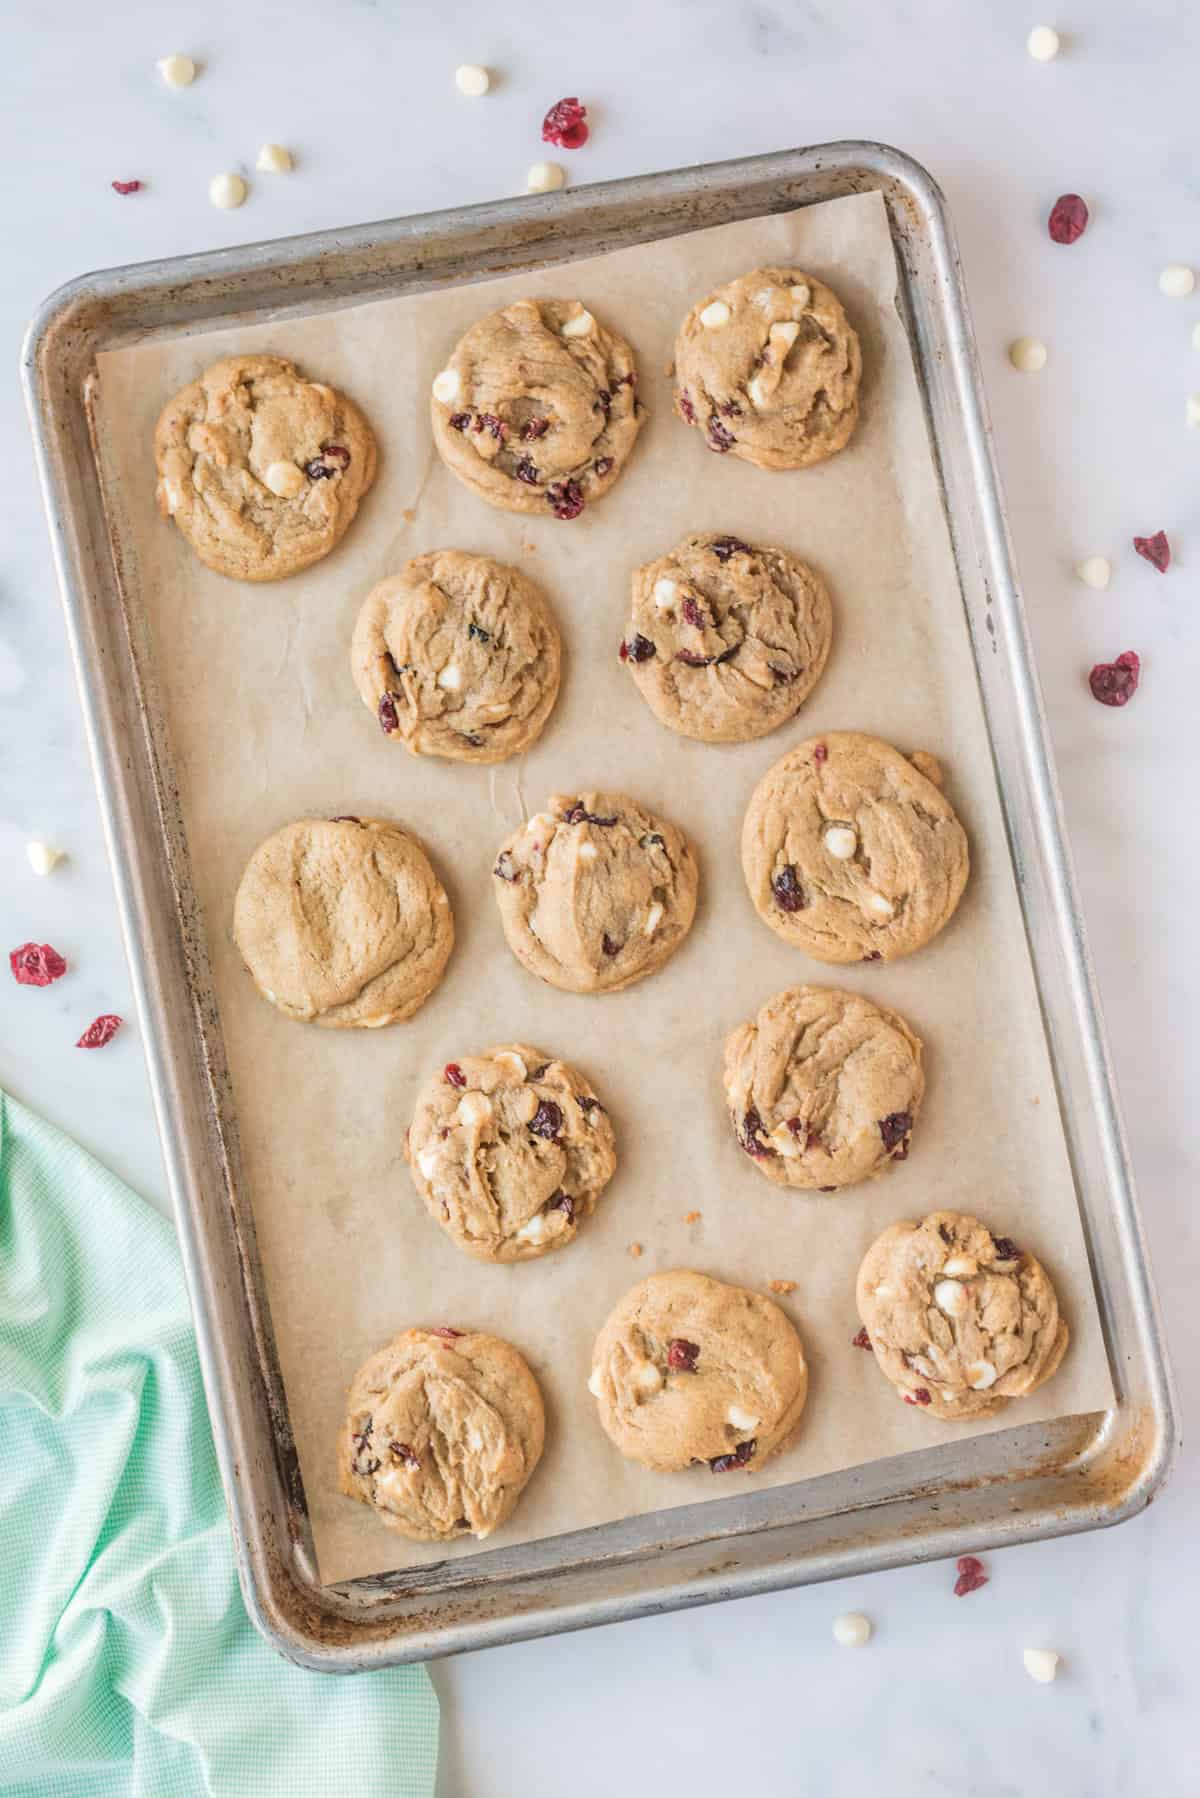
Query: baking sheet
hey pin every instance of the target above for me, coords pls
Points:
(265, 725)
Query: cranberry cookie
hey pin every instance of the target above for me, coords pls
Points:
(595, 892)
(443, 1430)
(768, 368)
(960, 1320)
(261, 469)
(457, 656)
(823, 1088)
(689, 1370)
(726, 640)
(342, 922)
(510, 1151)
(536, 410)
(850, 850)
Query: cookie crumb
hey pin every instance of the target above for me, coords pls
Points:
(635, 1249)
(782, 1286)
(692, 1217)
(928, 765)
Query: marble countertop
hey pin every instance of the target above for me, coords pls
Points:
(1092, 451)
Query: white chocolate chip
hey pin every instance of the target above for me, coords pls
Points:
(427, 1160)
(472, 79)
(802, 297)
(1176, 281)
(177, 70)
(883, 1290)
(227, 191)
(783, 335)
(511, 1062)
(543, 177)
(1191, 411)
(647, 1378)
(540, 821)
(173, 496)
(43, 857)
(596, 1382)
(447, 386)
(961, 1267)
(474, 1440)
(949, 1297)
(1040, 1664)
(274, 159)
(981, 1375)
(881, 905)
(851, 1629)
(841, 840)
(587, 851)
(474, 1108)
(741, 1420)
(450, 678)
(665, 594)
(764, 299)
(1095, 572)
(534, 1230)
(285, 479)
(784, 1142)
(1027, 354)
(757, 393)
(579, 324)
(1043, 43)
(527, 1103)
(653, 920)
(714, 315)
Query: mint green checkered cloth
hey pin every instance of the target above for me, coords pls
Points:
(128, 1666)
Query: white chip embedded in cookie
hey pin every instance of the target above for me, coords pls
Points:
(261, 469)
(443, 1429)
(726, 640)
(343, 922)
(688, 1370)
(959, 1320)
(850, 850)
(510, 1151)
(536, 408)
(457, 656)
(768, 367)
(823, 1088)
(595, 892)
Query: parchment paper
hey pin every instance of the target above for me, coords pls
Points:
(266, 726)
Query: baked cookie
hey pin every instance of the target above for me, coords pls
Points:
(851, 852)
(823, 1088)
(443, 1429)
(689, 1370)
(457, 656)
(768, 367)
(960, 1320)
(510, 1151)
(536, 410)
(261, 470)
(595, 892)
(343, 922)
(726, 640)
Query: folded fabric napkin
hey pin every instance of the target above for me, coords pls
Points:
(128, 1666)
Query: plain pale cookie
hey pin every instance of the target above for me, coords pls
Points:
(768, 367)
(960, 1320)
(457, 656)
(689, 1370)
(823, 1088)
(850, 852)
(726, 640)
(595, 892)
(343, 922)
(261, 470)
(510, 1151)
(443, 1430)
(536, 410)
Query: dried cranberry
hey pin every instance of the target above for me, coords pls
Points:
(919, 1397)
(388, 721)
(127, 187)
(566, 498)
(692, 614)
(637, 649)
(603, 465)
(745, 1451)
(495, 427)
(565, 124)
(362, 1461)
(970, 1575)
(1115, 683)
(609, 945)
(894, 1129)
(546, 1120)
(653, 839)
(719, 438)
(873, 955)
(36, 964)
(453, 1074)
(587, 1105)
(506, 867)
(527, 472)
(629, 380)
(820, 753)
(1004, 1248)
(101, 1030)
(561, 1201)
(682, 1355)
(579, 814)
(783, 675)
(540, 1072)
(789, 894)
(684, 400)
(345, 818)
(459, 420)
(748, 1135)
(1155, 549)
(603, 400)
(729, 409)
(724, 547)
(862, 1340)
(533, 428)
(338, 452)
(402, 1452)
(445, 1332)
(946, 1233)
(319, 470)
(477, 631)
(1068, 219)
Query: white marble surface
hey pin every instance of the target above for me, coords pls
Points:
(1093, 450)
